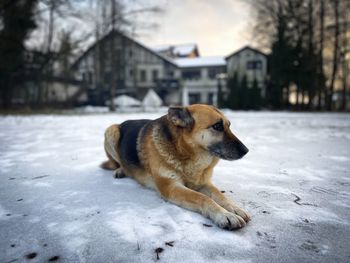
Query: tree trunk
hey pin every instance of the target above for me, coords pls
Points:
(113, 71)
(311, 61)
(297, 105)
(344, 90)
(345, 66)
(335, 55)
(6, 92)
(302, 99)
(320, 55)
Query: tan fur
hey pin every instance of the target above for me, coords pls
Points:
(181, 170)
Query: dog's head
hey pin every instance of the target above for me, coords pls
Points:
(206, 127)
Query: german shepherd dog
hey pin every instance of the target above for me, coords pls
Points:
(176, 155)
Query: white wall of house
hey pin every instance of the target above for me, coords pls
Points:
(251, 64)
(174, 98)
(197, 93)
(202, 89)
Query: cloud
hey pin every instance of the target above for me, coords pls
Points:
(218, 27)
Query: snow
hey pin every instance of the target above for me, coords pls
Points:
(200, 62)
(126, 101)
(91, 109)
(56, 201)
(152, 100)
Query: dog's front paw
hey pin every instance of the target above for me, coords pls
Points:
(119, 173)
(239, 211)
(229, 221)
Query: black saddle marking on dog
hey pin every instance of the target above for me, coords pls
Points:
(129, 131)
(164, 130)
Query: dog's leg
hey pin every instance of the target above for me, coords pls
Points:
(177, 193)
(211, 191)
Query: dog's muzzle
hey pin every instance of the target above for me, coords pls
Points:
(229, 150)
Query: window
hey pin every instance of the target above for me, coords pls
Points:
(254, 64)
(90, 80)
(171, 74)
(210, 98)
(131, 73)
(194, 98)
(191, 74)
(212, 72)
(155, 75)
(142, 75)
(83, 75)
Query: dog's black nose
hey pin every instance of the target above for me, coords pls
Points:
(242, 149)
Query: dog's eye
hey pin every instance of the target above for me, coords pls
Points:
(219, 126)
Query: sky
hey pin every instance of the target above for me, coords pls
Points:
(218, 27)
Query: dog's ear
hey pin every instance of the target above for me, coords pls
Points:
(180, 116)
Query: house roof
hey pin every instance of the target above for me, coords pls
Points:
(161, 48)
(130, 39)
(179, 50)
(200, 62)
(184, 49)
(245, 48)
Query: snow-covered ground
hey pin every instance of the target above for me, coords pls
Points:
(56, 203)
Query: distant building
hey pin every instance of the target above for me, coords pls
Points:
(198, 79)
(251, 63)
(178, 51)
(176, 73)
(138, 69)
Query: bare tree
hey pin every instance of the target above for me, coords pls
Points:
(344, 51)
(16, 23)
(304, 33)
(335, 62)
(111, 17)
(321, 82)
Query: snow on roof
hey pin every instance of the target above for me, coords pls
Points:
(200, 62)
(161, 48)
(180, 49)
(243, 49)
(184, 49)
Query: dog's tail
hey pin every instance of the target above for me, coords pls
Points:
(112, 136)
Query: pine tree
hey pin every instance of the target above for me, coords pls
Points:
(255, 96)
(17, 21)
(243, 94)
(233, 87)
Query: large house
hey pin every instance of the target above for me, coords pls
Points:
(250, 63)
(136, 69)
(177, 73)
